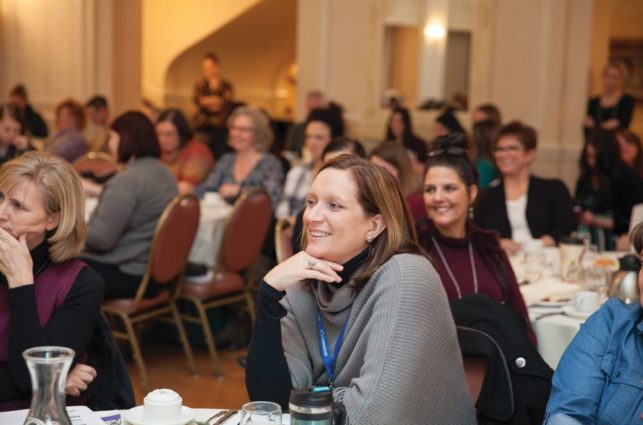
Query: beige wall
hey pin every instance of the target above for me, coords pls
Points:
(57, 49)
(404, 45)
(256, 50)
(530, 58)
(614, 19)
(127, 72)
(169, 27)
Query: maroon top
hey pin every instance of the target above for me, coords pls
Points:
(50, 289)
(496, 278)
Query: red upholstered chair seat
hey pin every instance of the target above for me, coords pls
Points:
(224, 283)
(129, 306)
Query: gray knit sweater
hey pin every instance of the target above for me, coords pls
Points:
(400, 362)
(121, 228)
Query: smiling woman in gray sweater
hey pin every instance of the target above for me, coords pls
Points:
(360, 309)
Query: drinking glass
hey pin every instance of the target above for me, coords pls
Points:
(534, 265)
(260, 413)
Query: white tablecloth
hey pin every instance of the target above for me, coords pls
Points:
(203, 414)
(553, 331)
(205, 249)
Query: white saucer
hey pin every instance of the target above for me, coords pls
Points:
(135, 417)
(570, 310)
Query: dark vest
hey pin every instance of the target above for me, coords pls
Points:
(51, 287)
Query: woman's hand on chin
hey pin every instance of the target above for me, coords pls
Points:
(15, 260)
(302, 266)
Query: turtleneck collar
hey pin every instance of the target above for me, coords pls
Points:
(352, 265)
(335, 297)
(448, 240)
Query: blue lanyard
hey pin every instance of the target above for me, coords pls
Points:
(329, 360)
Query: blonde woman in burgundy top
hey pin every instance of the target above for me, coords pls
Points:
(468, 259)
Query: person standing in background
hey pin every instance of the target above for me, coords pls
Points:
(613, 108)
(35, 124)
(212, 94)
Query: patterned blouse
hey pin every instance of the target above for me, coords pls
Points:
(268, 174)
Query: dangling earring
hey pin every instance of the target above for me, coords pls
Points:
(471, 212)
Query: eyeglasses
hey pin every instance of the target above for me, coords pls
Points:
(244, 129)
(508, 149)
(447, 151)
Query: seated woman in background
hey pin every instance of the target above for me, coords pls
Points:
(361, 285)
(523, 207)
(484, 133)
(250, 165)
(46, 296)
(487, 112)
(68, 141)
(121, 228)
(606, 190)
(13, 140)
(393, 159)
(468, 259)
(189, 160)
(319, 131)
(631, 150)
(400, 130)
(599, 379)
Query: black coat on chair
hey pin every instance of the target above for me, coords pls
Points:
(517, 380)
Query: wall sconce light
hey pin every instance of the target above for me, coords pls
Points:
(434, 31)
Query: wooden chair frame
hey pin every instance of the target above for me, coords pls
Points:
(130, 320)
(246, 295)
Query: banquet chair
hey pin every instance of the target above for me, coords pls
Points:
(97, 165)
(243, 239)
(283, 239)
(173, 237)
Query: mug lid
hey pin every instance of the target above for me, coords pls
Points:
(306, 398)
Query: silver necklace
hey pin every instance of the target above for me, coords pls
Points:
(446, 266)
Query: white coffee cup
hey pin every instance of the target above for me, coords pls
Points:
(162, 405)
(586, 301)
(212, 199)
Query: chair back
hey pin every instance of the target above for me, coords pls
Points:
(173, 239)
(283, 239)
(96, 164)
(246, 230)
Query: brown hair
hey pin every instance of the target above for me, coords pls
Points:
(378, 193)
(76, 110)
(636, 238)
(138, 136)
(525, 134)
(62, 194)
(13, 112)
(396, 155)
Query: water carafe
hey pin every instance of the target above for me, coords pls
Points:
(48, 367)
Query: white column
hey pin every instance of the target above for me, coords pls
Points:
(432, 61)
